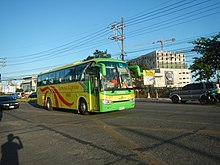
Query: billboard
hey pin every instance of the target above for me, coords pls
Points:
(149, 78)
(169, 77)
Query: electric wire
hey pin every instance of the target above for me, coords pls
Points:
(73, 44)
(179, 18)
(59, 52)
(137, 18)
(93, 40)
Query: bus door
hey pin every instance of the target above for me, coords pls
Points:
(94, 99)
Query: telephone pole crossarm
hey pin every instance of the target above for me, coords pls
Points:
(2, 62)
(118, 35)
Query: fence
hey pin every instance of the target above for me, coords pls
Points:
(153, 92)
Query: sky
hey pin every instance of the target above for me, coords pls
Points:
(37, 35)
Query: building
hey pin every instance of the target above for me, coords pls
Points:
(170, 68)
(29, 84)
(9, 87)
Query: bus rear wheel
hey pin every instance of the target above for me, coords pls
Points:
(49, 105)
(83, 109)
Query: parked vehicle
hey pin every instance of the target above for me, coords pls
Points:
(15, 96)
(193, 92)
(8, 102)
(33, 95)
(20, 94)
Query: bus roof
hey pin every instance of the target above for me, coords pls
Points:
(78, 63)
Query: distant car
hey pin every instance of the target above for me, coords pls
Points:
(194, 91)
(33, 95)
(8, 102)
(15, 96)
(20, 94)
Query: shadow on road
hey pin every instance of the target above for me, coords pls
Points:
(10, 150)
(34, 104)
(168, 101)
(1, 115)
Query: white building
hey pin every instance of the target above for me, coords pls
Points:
(29, 84)
(8, 89)
(170, 68)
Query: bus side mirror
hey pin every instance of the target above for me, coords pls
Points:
(137, 68)
(103, 68)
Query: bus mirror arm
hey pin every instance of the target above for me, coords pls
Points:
(102, 66)
(137, 68)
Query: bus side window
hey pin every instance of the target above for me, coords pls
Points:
(76, 74)
(39, 80)
(84, 68)
(51, 78)
(61, 76)
(56, 80)
(67, 75)
(45, 79)
(72, 73)
(80, 72)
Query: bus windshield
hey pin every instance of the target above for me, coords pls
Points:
(117, 76)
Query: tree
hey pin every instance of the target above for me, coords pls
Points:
(208, 65)
(98, 54)
(19, 90)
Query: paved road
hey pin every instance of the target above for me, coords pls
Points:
(155, 132)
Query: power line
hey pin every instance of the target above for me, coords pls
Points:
(75, 42)
(154, 12)
(59, 52)
(87, 42)
(169, 22)
(61, 49)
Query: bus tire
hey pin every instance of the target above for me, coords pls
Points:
(83, 108)
(49, 105)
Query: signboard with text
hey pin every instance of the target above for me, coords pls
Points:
(149, 77)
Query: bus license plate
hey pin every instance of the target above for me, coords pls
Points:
(121, 108)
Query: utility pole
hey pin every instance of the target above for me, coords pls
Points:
(2, 62)
(118, 35)
(122, 39)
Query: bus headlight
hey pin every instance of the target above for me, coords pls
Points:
(132, 100)
(107, 101)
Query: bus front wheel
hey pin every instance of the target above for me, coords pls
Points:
(83, 109)
(49, 105)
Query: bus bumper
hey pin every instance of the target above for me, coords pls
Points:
(115, 106)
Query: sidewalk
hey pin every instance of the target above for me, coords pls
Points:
(151, 99)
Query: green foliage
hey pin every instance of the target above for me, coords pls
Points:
(98, 54)
(206, 67)
(19, 90)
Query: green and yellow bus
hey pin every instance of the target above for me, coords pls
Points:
(97, 85)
